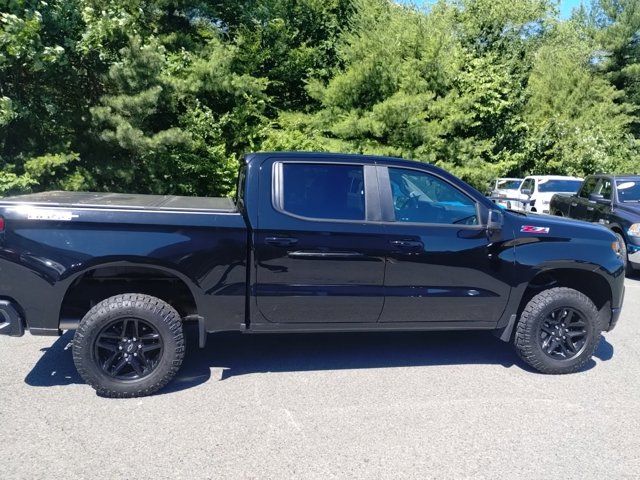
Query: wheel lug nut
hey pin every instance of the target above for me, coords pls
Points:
(139, 345)
(120, 347)
(134, 339)
(135, 354)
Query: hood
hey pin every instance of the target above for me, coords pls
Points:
(559, 226)
(632, 208)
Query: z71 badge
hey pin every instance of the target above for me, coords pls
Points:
(534, 229)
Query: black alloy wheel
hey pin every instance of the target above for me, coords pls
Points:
(129, 345)
(558, 331)
(128, 349)
(563, 334)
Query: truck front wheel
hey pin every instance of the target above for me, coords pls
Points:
(129, 345)
(558, 331)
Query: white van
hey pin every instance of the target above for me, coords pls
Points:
(536, 191)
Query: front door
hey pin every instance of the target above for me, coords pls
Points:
(601, 210)
(528, 185)
(318, 255)
(581, 208)
(442, 266)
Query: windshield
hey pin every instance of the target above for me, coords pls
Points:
(628, 191)
(568, 186)
(508, 184)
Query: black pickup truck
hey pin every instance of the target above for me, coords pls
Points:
(312, 243)
(612, 201)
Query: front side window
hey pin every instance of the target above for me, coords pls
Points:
(604, 188)
(527, 185)
(588, 187)
(325, 191)
(423, 198)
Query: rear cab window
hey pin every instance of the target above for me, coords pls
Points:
(323, 191)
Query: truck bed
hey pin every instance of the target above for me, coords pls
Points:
(123, 201)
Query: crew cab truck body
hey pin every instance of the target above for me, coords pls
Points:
(313, 243)
(612, 201)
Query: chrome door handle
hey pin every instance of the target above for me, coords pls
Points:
(406, 243)
(281, 241)
(324, 255)
(573, 204)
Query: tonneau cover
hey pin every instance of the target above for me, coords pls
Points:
(123, 201)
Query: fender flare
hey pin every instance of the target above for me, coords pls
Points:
(99, 263)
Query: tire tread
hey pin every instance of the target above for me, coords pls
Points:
(525, 339)
(154, 305)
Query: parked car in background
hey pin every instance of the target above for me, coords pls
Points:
(612, 201)
(504, 188)
(536, 191)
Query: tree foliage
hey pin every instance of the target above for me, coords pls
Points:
(164, 96)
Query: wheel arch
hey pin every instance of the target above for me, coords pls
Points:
(617, 228)
(103, 280)
(589, 282)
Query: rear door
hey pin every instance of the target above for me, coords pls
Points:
(442, 266)
(318, 248)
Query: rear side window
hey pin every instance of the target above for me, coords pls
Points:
(325, 191)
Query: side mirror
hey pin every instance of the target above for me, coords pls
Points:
(598, 198)
(594, 197)
(495, 220)
(526, 191)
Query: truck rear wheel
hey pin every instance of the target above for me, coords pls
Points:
(129, 345)
(558, 331)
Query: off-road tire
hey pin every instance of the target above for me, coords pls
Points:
(528, 330)
(159, 314)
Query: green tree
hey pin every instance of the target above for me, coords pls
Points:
(579, 122)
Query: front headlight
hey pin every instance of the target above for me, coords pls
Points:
(634, 230)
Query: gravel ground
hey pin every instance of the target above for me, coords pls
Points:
(432, 405)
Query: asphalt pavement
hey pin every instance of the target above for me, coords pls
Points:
(370, 406)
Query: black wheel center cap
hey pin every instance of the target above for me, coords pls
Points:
(130, 348)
